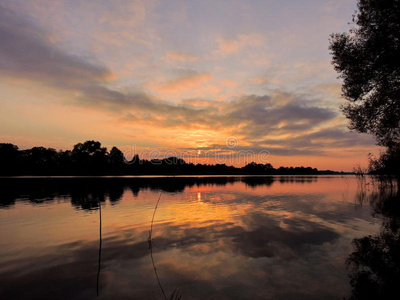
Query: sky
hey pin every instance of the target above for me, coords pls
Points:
(210, 81)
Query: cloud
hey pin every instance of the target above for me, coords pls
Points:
(28, 51)
(256, 116)
(117, 22)
(190, 84)
(300, 73)
(200, 103)
(258, 80)
(173, 56)
(321, 142)
(227, 46)
(332, 89)
(294, 119)
(337, 138)
(228, 83)
(264, 115)
(325, 138)
(185, 83)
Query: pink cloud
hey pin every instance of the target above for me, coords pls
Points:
(227, 46)
(173, 56)
(194, 85)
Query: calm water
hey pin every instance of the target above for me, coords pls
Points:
(213, 238)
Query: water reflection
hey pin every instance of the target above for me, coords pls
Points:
(150, 240)
(100, 244)
(375, 261)
(88, 193)
(212, 237)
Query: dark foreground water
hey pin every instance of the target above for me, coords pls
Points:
(212, 237)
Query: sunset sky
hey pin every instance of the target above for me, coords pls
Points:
(178, 76)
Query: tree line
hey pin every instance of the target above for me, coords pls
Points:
(90, 158)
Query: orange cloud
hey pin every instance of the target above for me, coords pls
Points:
(228, 83)
(332, 89)
(173, 56)
(194, 85)
(201, 103)
(259, 80)
(227, 46)
(185, 83)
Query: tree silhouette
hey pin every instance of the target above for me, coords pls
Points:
(40, 159)
(367, 59)
(116, 156)
(9, 157)
(89, 148)
(90, 158)
(388, 163)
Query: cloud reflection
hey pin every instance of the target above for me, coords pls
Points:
(240, 240)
